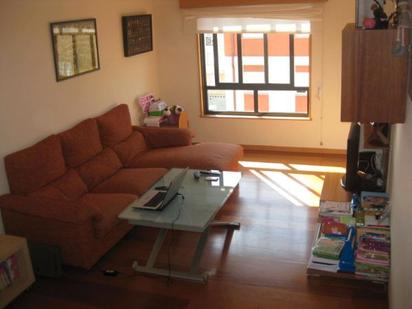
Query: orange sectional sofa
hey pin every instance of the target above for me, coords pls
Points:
(68, 189)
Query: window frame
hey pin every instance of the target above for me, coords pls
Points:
(255, 87)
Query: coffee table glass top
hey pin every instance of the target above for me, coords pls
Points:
(202, 200)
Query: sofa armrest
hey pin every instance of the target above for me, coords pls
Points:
(60, 210)
(165, 137)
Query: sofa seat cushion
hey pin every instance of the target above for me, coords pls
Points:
(32, 168)
(115, 125)
(81, 143)
(110, 206)
(133, 145)
(68, 187)
(99, 168)
(220, 156)
(132, 181)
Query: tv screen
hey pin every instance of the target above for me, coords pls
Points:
(351, 181)
(361, 172)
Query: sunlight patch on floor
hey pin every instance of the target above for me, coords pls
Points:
(279, 190)
(293, 187)
(313, 182)
(265, 165)
(301, 184)
(318, 168)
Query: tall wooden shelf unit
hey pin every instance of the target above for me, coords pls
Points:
(373, 79)
(12, 245)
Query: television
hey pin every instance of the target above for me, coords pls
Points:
(357, 179)
(351, 180)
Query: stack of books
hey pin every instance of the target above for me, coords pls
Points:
(156, 108)
(374, 210)
(336, 249)
(373, 236)
(335, 203)
(8, 272)
(338, 211)
(327, 248)
(373, 254)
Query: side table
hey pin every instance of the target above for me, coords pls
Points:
(17, 246)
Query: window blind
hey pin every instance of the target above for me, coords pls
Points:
(205, 25)
(300, 12)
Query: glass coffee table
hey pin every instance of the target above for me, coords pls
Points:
(193, 210)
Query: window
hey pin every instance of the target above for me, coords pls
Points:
(255, 74)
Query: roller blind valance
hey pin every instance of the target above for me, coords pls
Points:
(283, 12)
(187, 4)
(251, 25)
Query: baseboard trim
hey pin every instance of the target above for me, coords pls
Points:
(295, 149)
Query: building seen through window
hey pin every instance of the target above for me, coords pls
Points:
(256, 73)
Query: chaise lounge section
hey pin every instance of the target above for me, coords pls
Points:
(68, 189)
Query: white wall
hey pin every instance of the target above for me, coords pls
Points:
(179, 84)
(32, 104)
(401, 184)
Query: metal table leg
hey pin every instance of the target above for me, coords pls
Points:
(156, 248)
(199, 252)
(193, 275)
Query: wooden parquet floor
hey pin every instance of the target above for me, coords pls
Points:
(263, 265)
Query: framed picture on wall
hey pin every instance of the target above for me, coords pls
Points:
(137, 34)
(74, 47)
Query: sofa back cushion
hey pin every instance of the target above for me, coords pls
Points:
(99, 168)
(166, 137)
(68, 187)
(130, 148)
(81, 143)
(33, 167)
(115, 125)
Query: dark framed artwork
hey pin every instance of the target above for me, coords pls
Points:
(75, 48)
(137, 34)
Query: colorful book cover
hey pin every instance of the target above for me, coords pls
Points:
(376, 201)
(334, 229)
(335, 207)
(328, 248)
(14, 266)
(329, 265)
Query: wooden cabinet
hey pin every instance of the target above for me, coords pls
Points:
(373, 79)
(9, 246)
